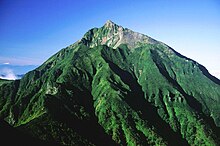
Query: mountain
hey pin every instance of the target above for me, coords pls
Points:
(115, 87)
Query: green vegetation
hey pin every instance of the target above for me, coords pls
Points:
(2, 81)
(106, 89)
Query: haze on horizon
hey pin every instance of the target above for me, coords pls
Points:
(32, 31)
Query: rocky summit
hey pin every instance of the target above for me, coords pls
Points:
(113, 87)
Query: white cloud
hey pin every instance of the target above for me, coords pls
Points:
(7, 74)
(6, 63)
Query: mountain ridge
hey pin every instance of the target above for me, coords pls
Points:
(125, 84)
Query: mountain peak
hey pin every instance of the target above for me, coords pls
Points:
(114, 35)
(109, 23)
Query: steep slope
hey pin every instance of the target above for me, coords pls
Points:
(116, 87)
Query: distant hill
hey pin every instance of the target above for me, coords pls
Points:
(4, 76)
(115, 87)
(8, 71)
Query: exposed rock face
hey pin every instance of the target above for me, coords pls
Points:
(115, 87)
(113, 35)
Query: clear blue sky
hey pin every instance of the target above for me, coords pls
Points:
(32, 31)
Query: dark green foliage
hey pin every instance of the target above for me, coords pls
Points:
(15, 137)
(115, 87)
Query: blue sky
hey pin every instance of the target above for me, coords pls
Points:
(32, 31)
